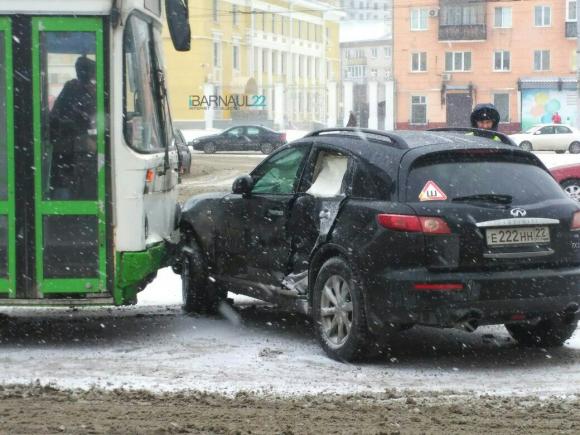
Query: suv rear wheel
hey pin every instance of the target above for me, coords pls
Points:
(199, 294)
(552, 332)
(338, 312)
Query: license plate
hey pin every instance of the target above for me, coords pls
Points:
(517, 236)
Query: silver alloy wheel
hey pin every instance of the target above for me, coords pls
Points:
(573, 191)
(336, 310)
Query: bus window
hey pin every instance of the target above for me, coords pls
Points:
(69, 115)
(142, 125)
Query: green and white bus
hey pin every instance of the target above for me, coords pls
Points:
(88, 167)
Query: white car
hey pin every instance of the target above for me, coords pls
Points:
(549, 137)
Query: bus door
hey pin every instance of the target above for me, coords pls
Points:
(59, 203)
(69, 151)
(7, 216)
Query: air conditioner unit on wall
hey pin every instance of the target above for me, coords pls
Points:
(434, 12)
(446, 77)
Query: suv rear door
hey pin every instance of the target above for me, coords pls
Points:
(503, 209)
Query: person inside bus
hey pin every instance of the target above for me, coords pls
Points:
(73, 170)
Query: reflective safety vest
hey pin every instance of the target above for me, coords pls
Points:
(496, 138)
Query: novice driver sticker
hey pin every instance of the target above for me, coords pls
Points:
(432, 192)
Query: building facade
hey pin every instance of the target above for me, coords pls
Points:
(455, 54)
(273, 62)
(367, 74)
(367, 10)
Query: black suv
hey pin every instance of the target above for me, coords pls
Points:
(371, 232)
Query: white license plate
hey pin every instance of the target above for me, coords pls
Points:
(517, 236)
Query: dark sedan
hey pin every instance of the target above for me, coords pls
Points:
(372, 232)
(241, 138)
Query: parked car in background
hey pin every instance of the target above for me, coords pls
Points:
(241, 138)
(549, 137)
(569, 178)
(372, 232)
(184, 153)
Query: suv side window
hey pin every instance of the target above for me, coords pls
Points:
(280, 174)
(366, 184)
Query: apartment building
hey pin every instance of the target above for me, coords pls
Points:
(367, 10)
(273, 62)
(450, 55)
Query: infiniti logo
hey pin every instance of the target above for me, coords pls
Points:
(518, 212)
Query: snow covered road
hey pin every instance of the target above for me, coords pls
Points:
(257, 348)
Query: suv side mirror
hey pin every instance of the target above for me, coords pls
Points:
(243, 185)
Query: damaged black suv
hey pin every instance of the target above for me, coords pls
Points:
(370, 232)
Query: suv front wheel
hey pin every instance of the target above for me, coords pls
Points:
(199, 294)
(338, 311)
(551, 332)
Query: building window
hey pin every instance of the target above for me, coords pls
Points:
(418, 109)
(216, 54)
(419, 19)
(542, 60)
(501, 60)
(264, 61)
(282, 26)
(542, 16)
(456, 61)
(263, 21)
(419, 62)
(235, 16)
(571, 11)
(503, 17)
(283, 63)
(388, 52)
(374, 53)
(299, 29)
(236, 56)
(467, 15)
(502, 104)
(273, 23)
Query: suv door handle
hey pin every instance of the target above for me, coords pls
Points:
(324, 214)
(274, 212)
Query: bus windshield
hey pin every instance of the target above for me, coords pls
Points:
(143, 110)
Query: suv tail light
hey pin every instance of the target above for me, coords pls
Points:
(575, 222)
(415, 224)
(283, 137)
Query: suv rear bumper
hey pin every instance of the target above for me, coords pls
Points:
(487, 297)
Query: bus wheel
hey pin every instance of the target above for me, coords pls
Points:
(197, 291)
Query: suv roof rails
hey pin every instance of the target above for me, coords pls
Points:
(394, 139)
(489, 134)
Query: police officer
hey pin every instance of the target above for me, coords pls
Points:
(485, 117)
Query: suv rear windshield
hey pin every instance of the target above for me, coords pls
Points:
(462, 176)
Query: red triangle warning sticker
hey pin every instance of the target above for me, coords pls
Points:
(432, 192)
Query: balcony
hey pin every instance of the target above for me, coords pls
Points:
(462, 20)
(571, 29)
(473, 32)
